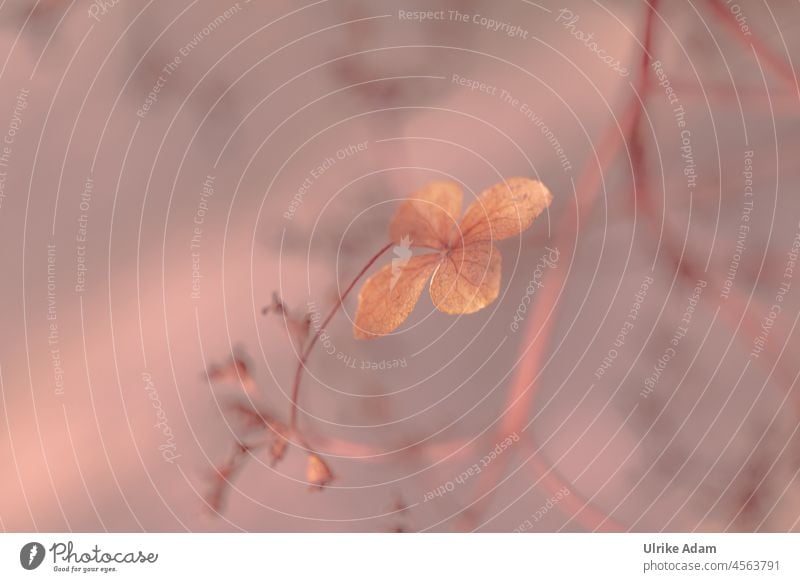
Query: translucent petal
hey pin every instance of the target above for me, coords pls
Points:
(468, 279)
(388, 297)
(428, 216)
(504, 210)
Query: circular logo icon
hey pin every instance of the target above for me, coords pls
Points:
(31, 555)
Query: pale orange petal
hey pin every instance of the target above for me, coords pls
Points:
(388, 297)
(468, 279)
(504, 210)
(318, 473)
(428, 216)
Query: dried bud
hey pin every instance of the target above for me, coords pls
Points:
(317, 473)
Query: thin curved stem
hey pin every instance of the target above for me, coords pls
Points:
(301, 364)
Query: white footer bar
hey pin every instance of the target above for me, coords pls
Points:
(389, 557)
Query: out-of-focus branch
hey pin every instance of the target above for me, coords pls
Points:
(777, 65)
(539, 329)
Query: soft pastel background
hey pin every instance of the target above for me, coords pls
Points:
(260, 101)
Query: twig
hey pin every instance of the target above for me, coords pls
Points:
(224, 474)
(301, 364)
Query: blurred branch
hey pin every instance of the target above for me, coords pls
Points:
(776, 64)
(541, 321)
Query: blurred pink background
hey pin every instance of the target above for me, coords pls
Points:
(111, 317)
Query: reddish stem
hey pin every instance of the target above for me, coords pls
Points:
(301, 364)
(579, 507)
(241, 452)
